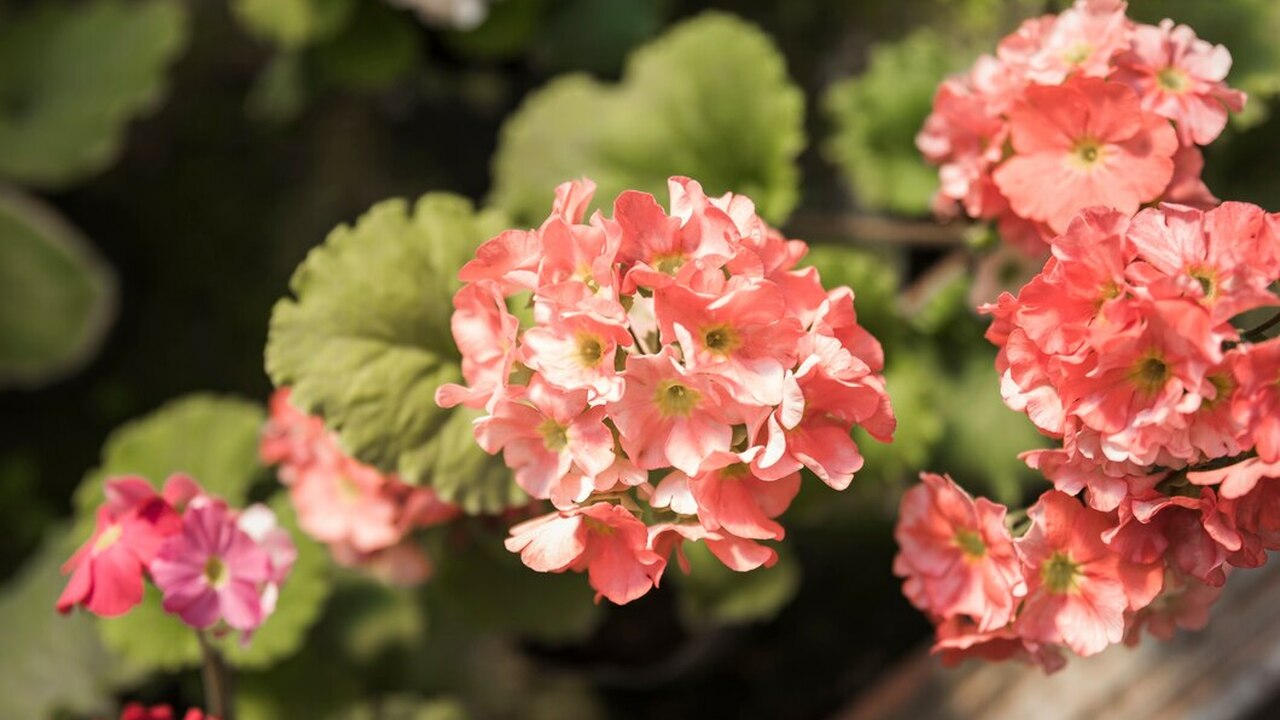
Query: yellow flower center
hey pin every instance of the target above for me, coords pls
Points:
(1077, 53)
(1207, 278)
(970, 543)
(1059, 573)
(590, 350)
(675, 400)
(668, 264)
(1223, 384)
(554, 435)
(1150, 373)
(720, 339)
(597, 526)
(108, 538)
(215, 571)
(1173, 80)
(1087, 153)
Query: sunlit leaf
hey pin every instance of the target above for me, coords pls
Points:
(58, 295)
(73, 75)
(365, 342)
(710, 99)
(293, 23)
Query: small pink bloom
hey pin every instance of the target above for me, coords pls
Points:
(956, 555)
(130, 527)
(544, 434)
(1080, 41)
(345, 501)
(1183, 604)
(959, 639)
(486, 335)
(738, 554)
(1183, 78)
(1078, 589)
(605, 540)
(577, 351)
(213, 571)
(730, 498)
(1257, 368)
(668, 417)
(1084, 143)
(510, 259)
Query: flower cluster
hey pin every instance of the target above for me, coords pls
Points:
(1074, 110)
(1127, 348)
(684, 345)
(138, 711)
(216, 567)
(365, 517)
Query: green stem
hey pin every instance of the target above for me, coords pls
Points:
(1259, 333)
(217, 686)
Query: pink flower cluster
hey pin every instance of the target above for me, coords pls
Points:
(1124, 349)
(683, 344)
(216, 567)
(138, 711)
(364, 516)
(1075, 110)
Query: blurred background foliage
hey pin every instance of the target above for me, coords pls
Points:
(165, 165)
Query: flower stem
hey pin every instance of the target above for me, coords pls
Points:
(217, 688)
(1259, 333)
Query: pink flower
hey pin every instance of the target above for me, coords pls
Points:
(138, 711)
(130, 527)
(738, 554)
(544, 434)
(956, 555)
(1183, 603)
(729, 497)
(344, 502)
(213, 571)
(577, 351)
(486, 334)
(1078, 589)
(668, 416)
(1181, 77)
(1258, 403)
(605, 540)
(1082, 40)
(1085, 143)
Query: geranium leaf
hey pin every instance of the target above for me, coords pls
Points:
(365, 342)
(60, 295)
(73, 75)
(710, 99)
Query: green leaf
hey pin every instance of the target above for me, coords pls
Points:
(916, 385)
(212, 438)
(378, 47)
(877, 115)
(404, 707)
(873, 277)
(710, 99)
(293, 23)
(1248, 29)
(73, 75)
(156, 640)
(59, 295)
(366, 343)
(492, 590)
(713, 593)
(52, 663)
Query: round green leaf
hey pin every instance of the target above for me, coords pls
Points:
(366, 341)
(59, 296)
(710, 99)
(73, 75)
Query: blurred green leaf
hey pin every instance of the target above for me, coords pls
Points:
(50, 662)
(73, 75)
(597, 35)
(212, 438)
(877, 115)
(714, 594)
(710, 99)
(1248, 29)
(280, 91)
(874, 279)
(367, 341)
(154, 639)
(59, 296)
(492, 590)
(293, 23)
(403, 707)
(916, 386)
(378, 47)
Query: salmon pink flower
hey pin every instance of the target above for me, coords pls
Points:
(1258, 403)
(213, 571)
(486, 334)
(605, 540)
(1081, 41)
(130, 527)
(956, 555)
(1183, 78)
(1078, 589)
(729, 497)
(1084, 143)
(577, 351)
(738, 554)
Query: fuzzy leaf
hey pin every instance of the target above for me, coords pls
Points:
(72, 76)
(713, 593)
(59, 295)
(710, 99)
(877, 115)
(366, 342)
(293, 23)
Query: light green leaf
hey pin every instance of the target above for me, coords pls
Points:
(366, 343)
(50, 662)
(73, 75)
(492, 590)
(713, 593)
(151, 638)
(212, 438)
(710, 99)
(404, 707)
(877, 115)
(59, 296)
(916, 384)
(293, 23)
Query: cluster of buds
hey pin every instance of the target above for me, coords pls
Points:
(364, 516)
(1137, 347)
(217, 568)
(1075, 110)
(660, 378)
